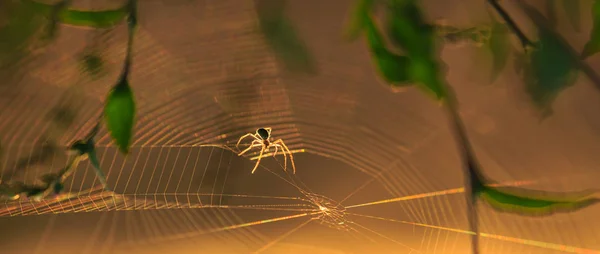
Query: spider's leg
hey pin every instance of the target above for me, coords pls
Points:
(243, 137)
(254, 144)
(284, 155)
(286, 149)
(276, 148)
(262, 150)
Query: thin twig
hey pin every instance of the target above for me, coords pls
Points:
(511, 24)
(473, 177)
(540, 22)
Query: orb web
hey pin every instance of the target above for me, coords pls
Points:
(368, 176)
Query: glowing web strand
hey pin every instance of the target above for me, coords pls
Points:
(545, 245)
(237, 226)
(426, 195)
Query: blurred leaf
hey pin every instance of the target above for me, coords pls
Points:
(392, 67)
(58, 187)
(9, 192)
(520, 61)
(119, 113)
(19, 33)
(593, 45)
(93, 64)
(93, 19)
(551, 70)
(283, 38)
(534, 203)
(34, 192)
(286, 44)
(499, 44)
(476, 36)
(409, 31)
(53, 181)
(359, 17)
(426, 73)
(573, 11)
(49, 178)
(52, 27)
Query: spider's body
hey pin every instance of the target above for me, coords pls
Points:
(264, 135)
(262, 139)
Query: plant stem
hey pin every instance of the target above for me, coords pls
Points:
(511, 23)
(473, 177)
(131, 26)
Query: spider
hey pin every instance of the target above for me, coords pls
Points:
(262, 139)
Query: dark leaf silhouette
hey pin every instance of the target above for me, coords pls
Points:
(283, 37)
(93, 64)
(19, 35)
(551, 70)
(359, 18)
(499, 45)
(409, 30)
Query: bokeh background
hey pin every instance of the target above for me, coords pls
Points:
(384, 161)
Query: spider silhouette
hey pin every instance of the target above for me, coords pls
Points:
(262, 139)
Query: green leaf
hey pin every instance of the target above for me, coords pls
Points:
(92, 19)
(359, 18)
(409, 31)
(283, 38)
(119, 113)
(394, 68)
(499, 45)
(593, 45)
(552, 69)
(535, 203)
(427, 75)
(573, 11)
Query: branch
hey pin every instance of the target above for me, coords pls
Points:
(511, 24)
(541, 23)
(473, 177)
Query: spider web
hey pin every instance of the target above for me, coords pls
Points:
(375, 172)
